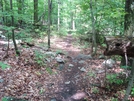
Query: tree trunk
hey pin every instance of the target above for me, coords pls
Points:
(130, 84)
(93, 30)
(35, 12)
(7, 8)
(50, 5)
(72, 21)
(13, 36)
(128, 14)
(49, 19)
(1, 8)
(20, 10)
(58, 15)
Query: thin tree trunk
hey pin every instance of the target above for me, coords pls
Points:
(93, 30)
(128, 14)
(1, 7)
(72, 21)
(35, 12)
(58, 15)
(20, 10)
(13, 36)
(130, 84)
(7, 8)
(49, 19)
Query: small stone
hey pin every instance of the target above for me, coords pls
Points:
(48, 60)
(108, 63)
(100, 71)
(61, 66)
(68, 82)
(2, 36)
(53, 99)
(79, 67)
(102, 57)
(69, 70)
(1, 80)
(71, 65)
(81, 62)
(83, 69)
(83, 57)
(59, 60)
(50, 54)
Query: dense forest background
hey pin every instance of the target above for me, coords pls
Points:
(99, 27)
(84, 18)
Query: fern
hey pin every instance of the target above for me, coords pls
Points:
(4, 66)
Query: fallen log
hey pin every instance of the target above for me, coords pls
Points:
(119, 47)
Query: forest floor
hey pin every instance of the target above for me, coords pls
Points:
(66, 72)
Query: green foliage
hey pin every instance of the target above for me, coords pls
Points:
(125, 67)
(12, 99)
(86, 45)
(41, 91)
(91, 74)
(100, 39)
(109, 15)
(49, 70)
(132, 91)
(114, 99)
(116, 57)
(95, 90)
(39, 58)
(5, 99)
(59, 52)
(62, 32)
(113, 79)
(3, 65)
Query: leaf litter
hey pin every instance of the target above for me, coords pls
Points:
(28, 80)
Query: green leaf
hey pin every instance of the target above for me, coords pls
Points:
(49, 70)
(4, 66)
(125, 67)
(5, 99)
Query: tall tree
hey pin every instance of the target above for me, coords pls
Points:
(93, 29)
(35, 12)
(20, 10)
(12, 23)
(49, 19)
(6, 9)
(58, 15)
(72, 15)
(129, 14)
(1, 8)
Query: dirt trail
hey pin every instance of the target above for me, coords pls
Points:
(66, 44)
(73, 77)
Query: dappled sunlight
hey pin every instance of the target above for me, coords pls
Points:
(65, 44)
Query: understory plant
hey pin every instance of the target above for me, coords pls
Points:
(4, 65)
(39, 58)
(114, 79)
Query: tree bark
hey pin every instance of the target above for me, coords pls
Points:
(93, 29)
(128, 14)
(58, 15)
(7, 8)
(49, 19)
(1, 7)
(20, 10)
(130, 84)
(13, 36)
(35, 12)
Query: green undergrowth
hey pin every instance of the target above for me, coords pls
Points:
(4, 66)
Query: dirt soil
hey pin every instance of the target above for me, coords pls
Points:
(76, 79)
